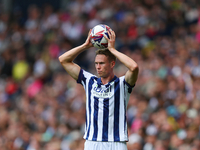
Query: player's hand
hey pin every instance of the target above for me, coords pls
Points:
(111, 39)
(88, 43)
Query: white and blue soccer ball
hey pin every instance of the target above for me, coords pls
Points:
(97, 38)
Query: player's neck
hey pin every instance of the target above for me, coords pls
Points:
(107, 79)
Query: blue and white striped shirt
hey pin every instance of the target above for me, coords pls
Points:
(105, 107)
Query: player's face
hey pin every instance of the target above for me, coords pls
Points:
(103, 66)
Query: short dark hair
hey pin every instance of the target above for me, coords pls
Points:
(107, 53)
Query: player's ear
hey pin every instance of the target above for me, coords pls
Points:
(112, 64)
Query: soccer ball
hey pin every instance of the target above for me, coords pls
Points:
(97, 38)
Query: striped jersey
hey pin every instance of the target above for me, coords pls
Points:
(105, 107)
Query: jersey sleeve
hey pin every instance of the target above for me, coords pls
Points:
(83, 76)
(128, 86)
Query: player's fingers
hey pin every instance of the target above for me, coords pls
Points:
(113, 33)
(109, 35)
(89, 31)
(110, 32)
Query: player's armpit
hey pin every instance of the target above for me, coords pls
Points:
(131, 76)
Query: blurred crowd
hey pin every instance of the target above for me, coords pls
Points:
(42, 108)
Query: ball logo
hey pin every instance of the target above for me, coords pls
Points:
(98, 36)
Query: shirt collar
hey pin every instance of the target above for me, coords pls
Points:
(100, 83)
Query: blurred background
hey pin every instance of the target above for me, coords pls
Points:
(42, 108)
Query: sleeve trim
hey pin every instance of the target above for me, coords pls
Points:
(80, 76)
(129, 84)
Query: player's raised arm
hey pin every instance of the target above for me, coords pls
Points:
(67, 58)
(132, 73)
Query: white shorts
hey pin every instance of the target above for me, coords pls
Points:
(96, 145)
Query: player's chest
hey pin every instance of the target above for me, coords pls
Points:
(103, 91)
